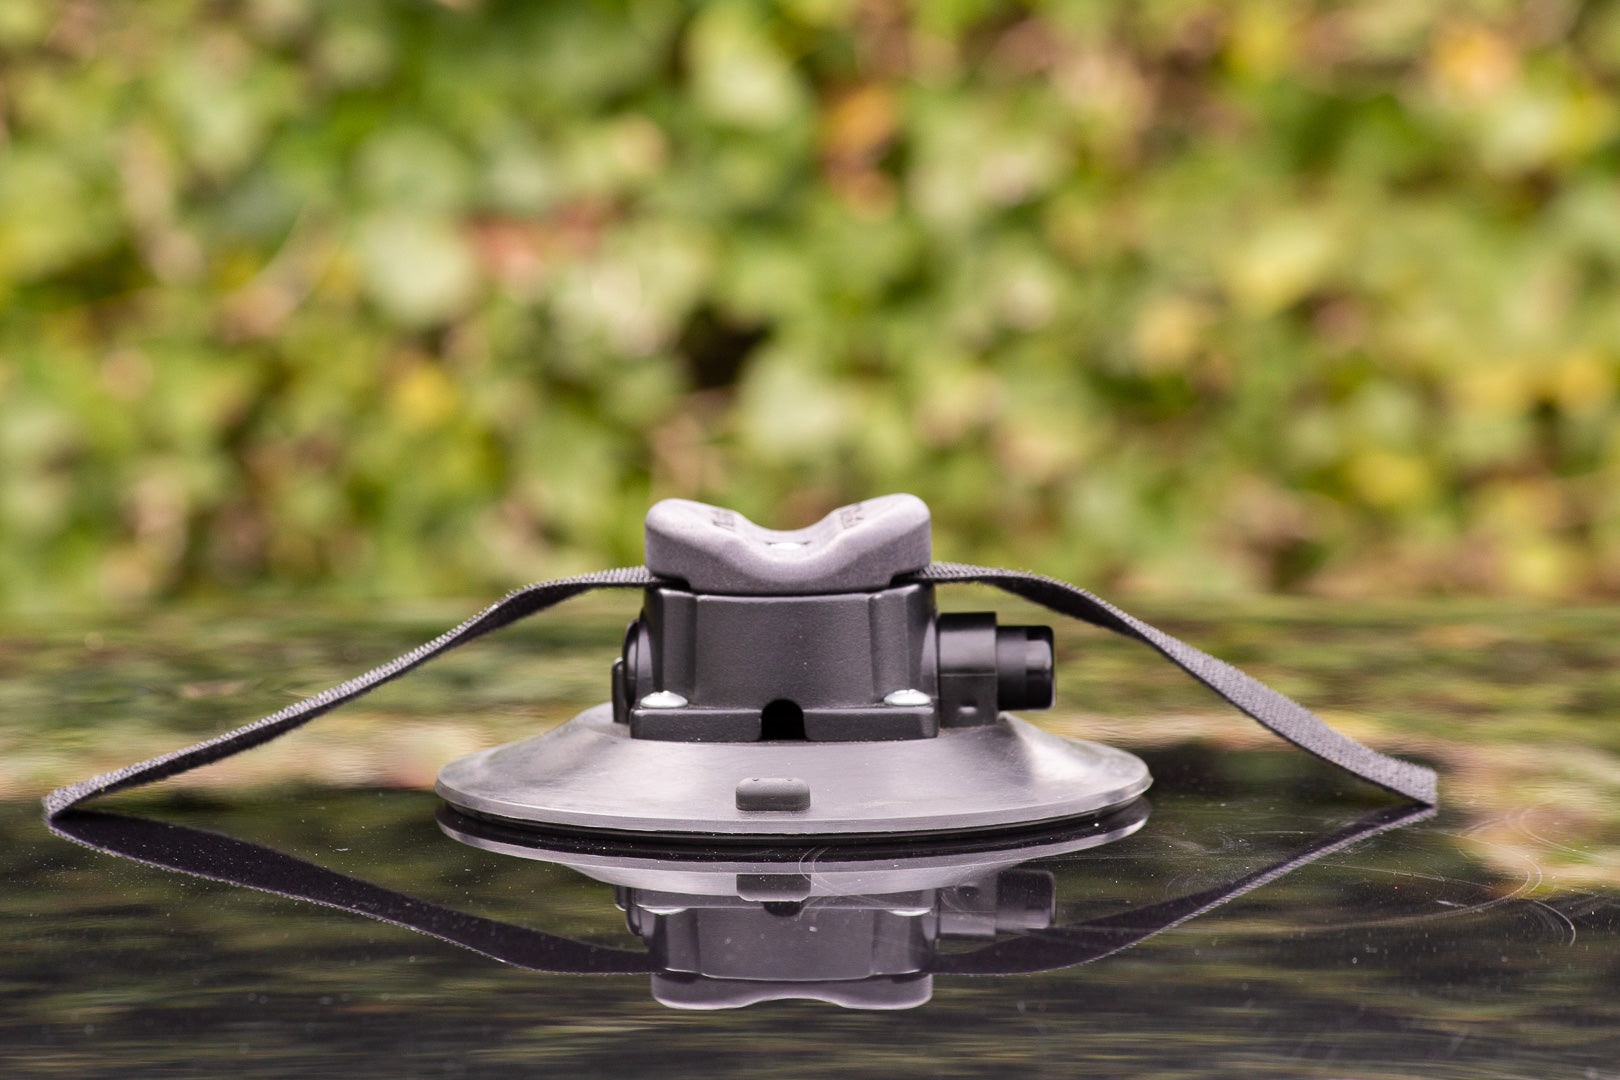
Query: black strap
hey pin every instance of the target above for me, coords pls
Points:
(1285, 717)
(1277, 713)
(509, 609)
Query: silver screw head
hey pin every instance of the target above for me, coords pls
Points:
(663, 699)
(907, 697)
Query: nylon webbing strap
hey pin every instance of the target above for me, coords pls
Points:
(1279, 714)
(509, 609)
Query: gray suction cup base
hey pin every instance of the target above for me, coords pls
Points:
(589, 774)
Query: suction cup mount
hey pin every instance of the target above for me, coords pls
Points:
(781, 692)
(802, 683)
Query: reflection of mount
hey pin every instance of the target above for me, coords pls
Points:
(854, 926)
(728, 926)
(862, 952)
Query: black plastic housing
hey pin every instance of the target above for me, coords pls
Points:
(839, 667)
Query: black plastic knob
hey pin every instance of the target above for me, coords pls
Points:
(1024, 667)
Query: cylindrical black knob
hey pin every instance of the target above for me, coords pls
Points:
(985, 669)
(1024, 667)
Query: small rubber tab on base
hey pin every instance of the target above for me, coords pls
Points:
(773, 793)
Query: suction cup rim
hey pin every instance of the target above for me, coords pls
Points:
(590, 775)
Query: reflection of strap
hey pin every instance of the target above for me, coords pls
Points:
(1081, 943)
(510, 609)
(237, 862)
(1292, 721)
(1281, 715)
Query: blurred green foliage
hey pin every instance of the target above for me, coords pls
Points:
(1174, 294)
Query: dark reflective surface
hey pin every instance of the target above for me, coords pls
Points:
(1481, 943)
(1414, 952)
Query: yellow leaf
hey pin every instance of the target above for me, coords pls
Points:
(1288, 258)
(1169, 331)
(1582, 382)
(425, 397)
(1540, 567)
(1390, 480)
(1473, 62)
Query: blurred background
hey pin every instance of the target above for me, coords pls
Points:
(1170, 296)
